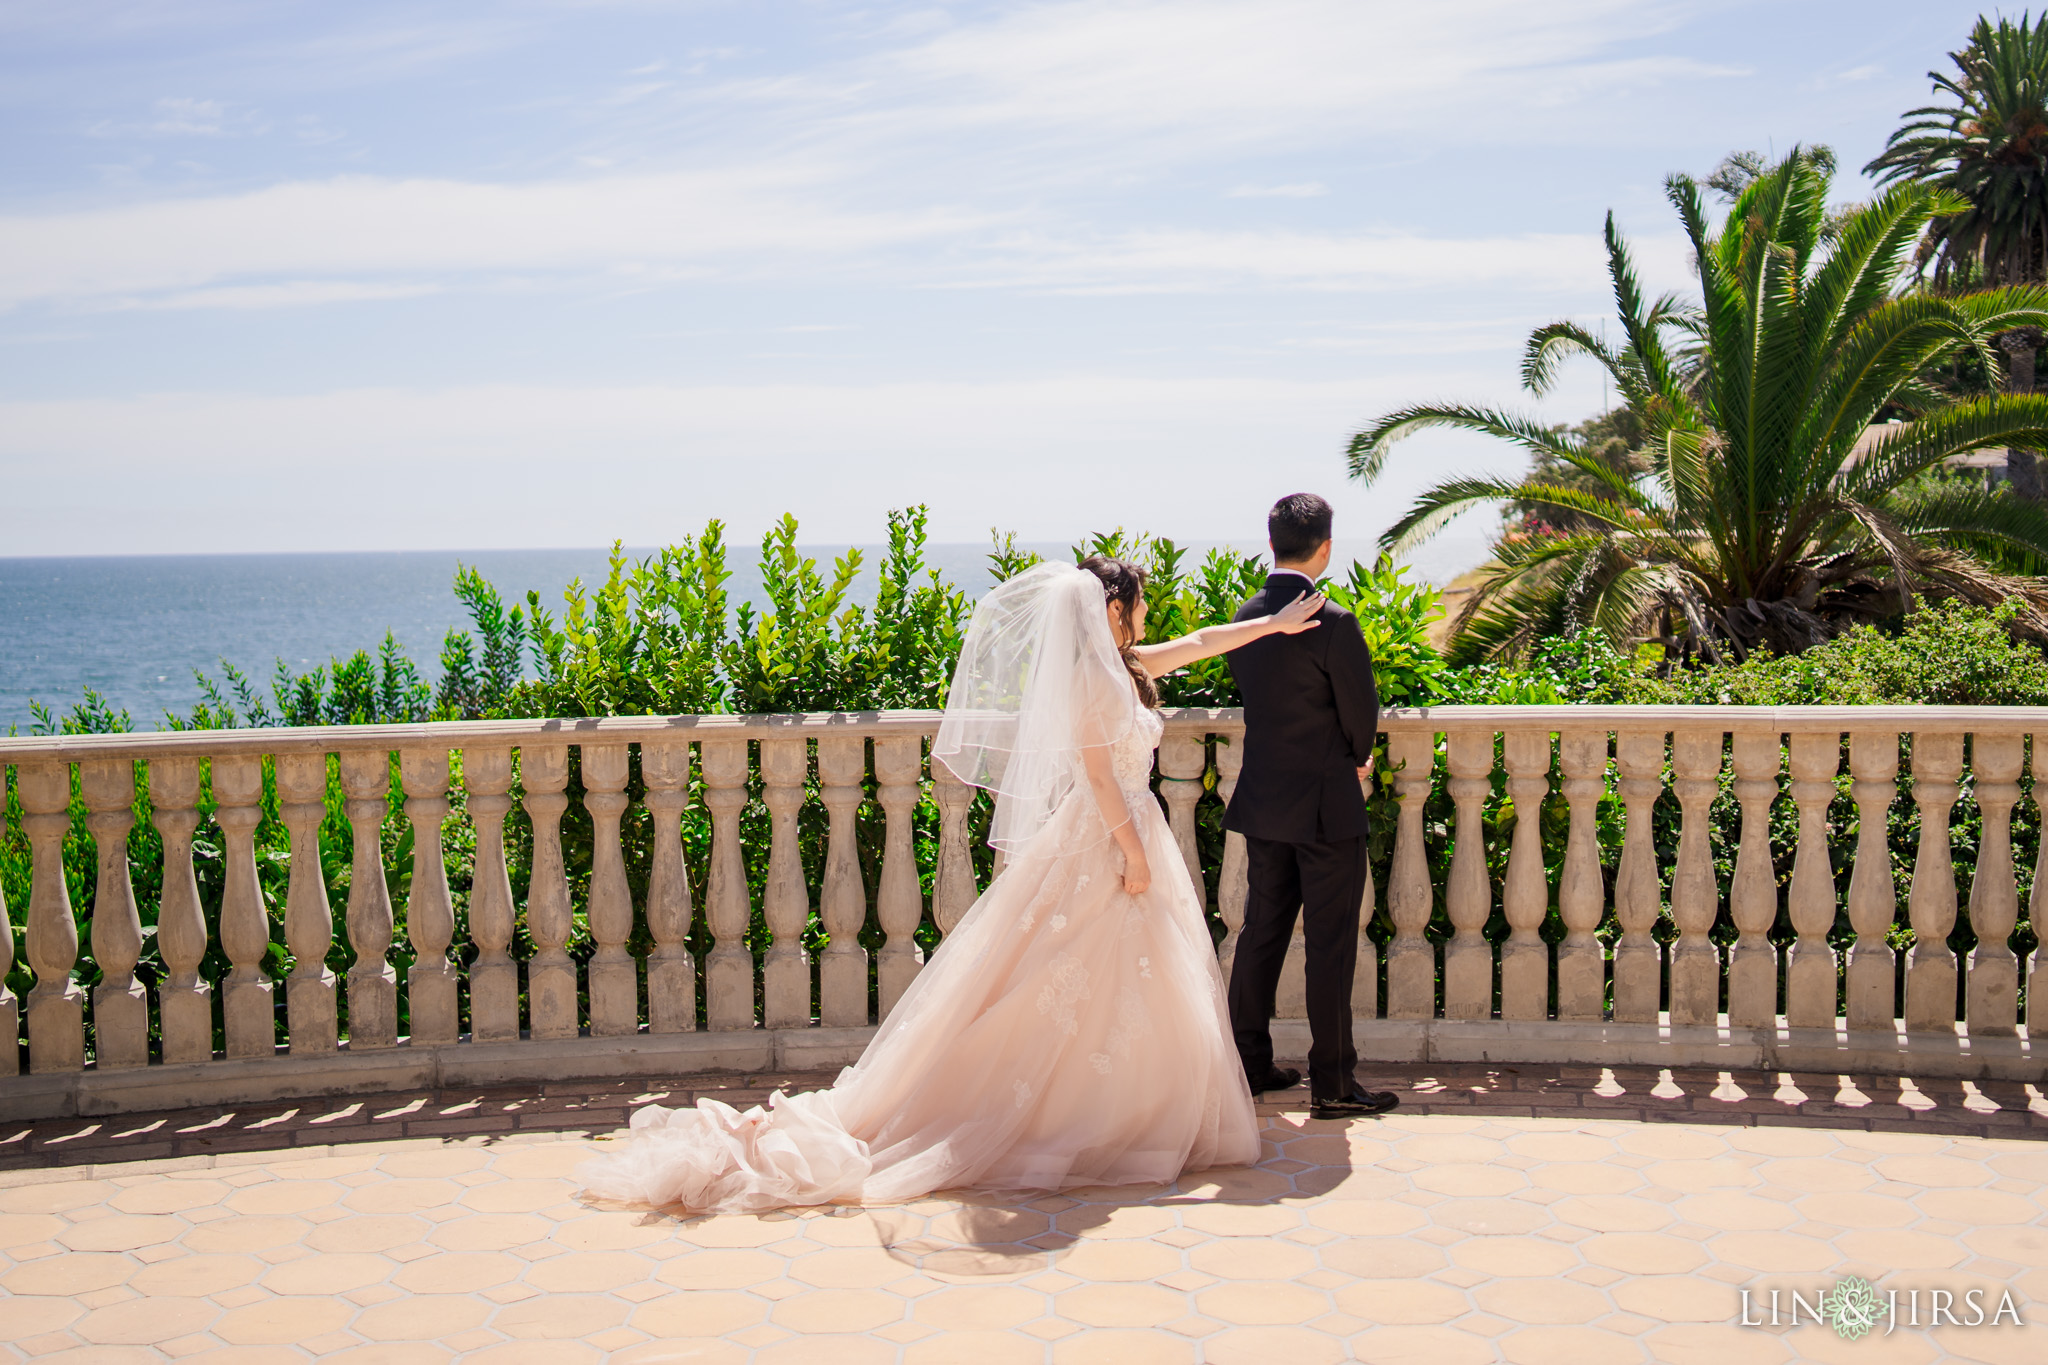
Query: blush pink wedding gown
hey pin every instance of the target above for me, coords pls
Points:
(1065, 1034)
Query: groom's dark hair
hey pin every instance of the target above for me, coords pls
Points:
(1298, 524)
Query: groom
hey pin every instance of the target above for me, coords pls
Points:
(1310, 712)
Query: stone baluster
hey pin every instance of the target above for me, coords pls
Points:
(899, 898)
(953, 891)
(1695, 900)
(56, 1004)
(1871, 985)
(614, 977)
(2037, 900)
(1931, 902)
(1525, 893)
(1468, 895)
(729, 970)
(843, 901)
(10, 1008)
(248, 1006)
(1638, 961)
(1183, 758)
(1581, 894)
(1992, 1006)
(551, 972)
(1810, 900)
(671, 972)
(494, 976)
(185, 999)
(372, 983)
(1233, 881)
(120, 1005)
(429, 915)
(308, 917)
(785, 900)
(1411, 958)
(1753, 892)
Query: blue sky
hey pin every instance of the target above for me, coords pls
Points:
(281, 275)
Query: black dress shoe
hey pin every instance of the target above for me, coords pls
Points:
(1357, 1104)
(1279, 1078)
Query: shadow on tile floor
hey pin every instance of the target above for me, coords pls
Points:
(1953, 1108)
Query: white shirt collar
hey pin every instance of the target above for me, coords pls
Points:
(1291, 573)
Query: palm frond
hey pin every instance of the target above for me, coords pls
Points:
(1652, 375)
(1868, 256)
(1973, 519)
(1367, 453)
(1436, 508)
(1885, 353)
(1972, 424)
(1555, 342)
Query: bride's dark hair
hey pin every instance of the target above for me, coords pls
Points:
(1124, 582)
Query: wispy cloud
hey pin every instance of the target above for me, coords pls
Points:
(743, 221)
(1076, 94)
(175, 116)
(183, 116)
(1307, 189)
(1219, 73)
(1181, 260)
(291, 294)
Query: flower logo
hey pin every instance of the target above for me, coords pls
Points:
(1852, 1307)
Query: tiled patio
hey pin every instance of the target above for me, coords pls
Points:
(1569, 1215)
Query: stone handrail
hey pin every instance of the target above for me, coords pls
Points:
(1449, 992)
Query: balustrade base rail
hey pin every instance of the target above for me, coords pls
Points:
(423, 1067)
(410, 1066)
(1862, 1052)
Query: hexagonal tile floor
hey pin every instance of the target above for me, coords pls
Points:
(1464, 1228)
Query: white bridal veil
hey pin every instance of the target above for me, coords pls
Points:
(1039, 680)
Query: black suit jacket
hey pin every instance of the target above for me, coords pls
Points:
(1311, 712)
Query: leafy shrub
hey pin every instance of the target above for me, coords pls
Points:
(645, 643)
(1581, 669)
(1945, 654)
(1395, 615)
(478, 674)
(654, 638)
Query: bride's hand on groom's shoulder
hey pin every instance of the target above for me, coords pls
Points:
(1298, 615)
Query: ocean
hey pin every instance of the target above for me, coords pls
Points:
(135, 628)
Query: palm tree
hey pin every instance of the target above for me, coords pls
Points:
(1990, 149)
(1758, 521)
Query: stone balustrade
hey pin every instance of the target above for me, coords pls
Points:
(1521, 950)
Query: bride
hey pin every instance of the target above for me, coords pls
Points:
(1071, 1029)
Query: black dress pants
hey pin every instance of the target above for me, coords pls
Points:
(1324, 884)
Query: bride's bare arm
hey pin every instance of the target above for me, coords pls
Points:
(1162, 658)
(1109, 798)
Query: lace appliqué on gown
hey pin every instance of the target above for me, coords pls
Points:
(1069, 984)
